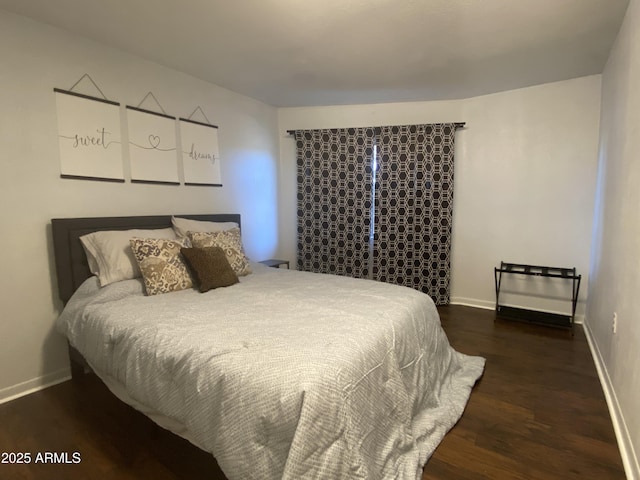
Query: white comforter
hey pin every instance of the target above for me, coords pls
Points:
(287, 374)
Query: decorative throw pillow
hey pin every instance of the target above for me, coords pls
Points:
(210, 267)
(230, 242)
(184, 225)
(161, 264)
(109, 253)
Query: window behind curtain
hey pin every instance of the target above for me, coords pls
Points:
(412, 208)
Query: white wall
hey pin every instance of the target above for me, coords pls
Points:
(615, 268)
(34, 59)
(525, 177)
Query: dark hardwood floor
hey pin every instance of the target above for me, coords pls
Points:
(537, 413)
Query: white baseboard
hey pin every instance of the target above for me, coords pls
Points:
(473, 302)
(629, 457)
(491, 305)
(30, 386)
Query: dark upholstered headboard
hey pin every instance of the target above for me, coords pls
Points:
(71, 263)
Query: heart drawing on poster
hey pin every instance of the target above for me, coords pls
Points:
(154, 140)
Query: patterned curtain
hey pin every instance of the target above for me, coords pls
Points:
(413, 207)
(334, 200)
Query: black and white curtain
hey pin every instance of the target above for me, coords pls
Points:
(413, 207)
(406, 208)
(334, 200)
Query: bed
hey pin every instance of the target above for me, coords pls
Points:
(286, 374)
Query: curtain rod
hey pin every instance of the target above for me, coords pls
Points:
(456, 125)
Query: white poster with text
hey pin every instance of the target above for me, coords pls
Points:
(89, 137)
(200, 154)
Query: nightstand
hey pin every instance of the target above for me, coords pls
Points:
(275, 263)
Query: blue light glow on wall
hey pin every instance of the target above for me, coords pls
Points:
(255, 180)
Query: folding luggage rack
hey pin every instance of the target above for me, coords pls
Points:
(534, 316)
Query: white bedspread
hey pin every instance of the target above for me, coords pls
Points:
(287, 374)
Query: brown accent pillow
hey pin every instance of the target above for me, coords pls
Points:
(161, 264)
(210, 267)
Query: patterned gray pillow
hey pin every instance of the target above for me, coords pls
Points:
(230, 242)
(163, 269)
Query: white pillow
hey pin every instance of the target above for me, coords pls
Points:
(184, 225)
(110, 256)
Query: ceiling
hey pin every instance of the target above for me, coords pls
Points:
(330, 52)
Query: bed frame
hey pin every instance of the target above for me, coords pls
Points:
(72, 267)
